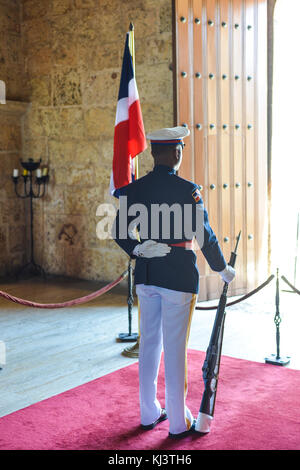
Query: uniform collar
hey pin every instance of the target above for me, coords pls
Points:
(164, 169)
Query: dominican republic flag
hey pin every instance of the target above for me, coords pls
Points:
(129, 138)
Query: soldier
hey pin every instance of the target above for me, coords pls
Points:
(166, 274)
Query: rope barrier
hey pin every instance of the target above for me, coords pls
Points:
(254, 291)
(112, 284)
(69, 303)
(291, 285)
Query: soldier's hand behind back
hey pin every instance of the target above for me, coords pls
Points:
(151, 249)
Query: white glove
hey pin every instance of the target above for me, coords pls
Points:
(151, 249)
(228, 274)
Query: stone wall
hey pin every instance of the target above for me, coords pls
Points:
(72, 55)
(12, 210)
(11, 65)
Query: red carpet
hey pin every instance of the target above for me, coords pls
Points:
(257, 408)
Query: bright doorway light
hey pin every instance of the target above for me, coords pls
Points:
(286, 140)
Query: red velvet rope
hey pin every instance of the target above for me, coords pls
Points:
(112, 284)
(69, 303)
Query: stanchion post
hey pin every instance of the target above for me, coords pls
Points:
(133, 351)
(276, 359)
(129, 337)
(130, 299)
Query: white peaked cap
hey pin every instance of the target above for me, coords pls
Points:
(169, 133)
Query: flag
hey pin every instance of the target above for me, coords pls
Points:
(129, 137)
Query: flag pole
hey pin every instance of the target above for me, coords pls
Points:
(132, 52)
(130, 337)
(132, 351)
(131, 45)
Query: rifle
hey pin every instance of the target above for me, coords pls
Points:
(211, 363)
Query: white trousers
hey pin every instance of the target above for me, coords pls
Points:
(165, 320)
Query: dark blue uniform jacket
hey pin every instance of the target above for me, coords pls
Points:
(178, 269)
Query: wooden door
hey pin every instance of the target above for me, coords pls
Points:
(221, 94)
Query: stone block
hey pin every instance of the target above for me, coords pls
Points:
(79, 262)
(40, 90)
(70, 155)
(36, 31)
(53, 201)
(10, 136)
(41, 122)
(110, 24)
(157, 115)
(53, 259)
(72, 231)
(99, 122)
(54, 122)
(73, 261)
(12, 208)
(17, 210)
(3, 238)
(39, 61)
(88, 152)
(52, 224)
(96, 263)
(91, 239)
(102, 175)
(165, 17)
(35, 148)
(35, 9)
(61, 152)
(154, 50)
(75, 175)
(72, 122)
(100, 89)
(16, 238)
(67, 88)
(96, 55)
(65, 49)
(9, 18)
(83, 201)
(110, 263)
(155, 83)
(9, 189)
(8, 161)
(145, 20)
(61, 7)
(84, 22)
(10, 53)
(107, 151)
(12, 263)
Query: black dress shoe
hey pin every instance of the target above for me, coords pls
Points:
(163, 416)
(184, 433)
